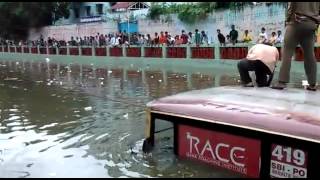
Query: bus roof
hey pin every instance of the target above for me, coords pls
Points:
(291, 112)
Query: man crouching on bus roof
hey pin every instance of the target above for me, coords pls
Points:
(261, 58)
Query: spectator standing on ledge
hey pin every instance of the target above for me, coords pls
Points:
(273, 38)
(302, 20)
(204, 38)
(184, 37)
(263, 37)
(246, 37)
(197, 37)
(279, 39)
(221, 38)
(190, 38)
(233, 35)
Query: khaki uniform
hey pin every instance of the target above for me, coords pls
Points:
(301, 24)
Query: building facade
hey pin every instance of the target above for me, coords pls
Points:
(87, 12)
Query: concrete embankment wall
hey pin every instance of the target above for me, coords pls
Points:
(252, 18)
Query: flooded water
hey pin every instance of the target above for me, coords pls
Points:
(59, 120)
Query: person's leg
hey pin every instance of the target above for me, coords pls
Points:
(310, 64)
(262, 71)
(244, 66)
(290, 42)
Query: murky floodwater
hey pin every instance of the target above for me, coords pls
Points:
(78, 121)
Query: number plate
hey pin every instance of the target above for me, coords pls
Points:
(288, 162)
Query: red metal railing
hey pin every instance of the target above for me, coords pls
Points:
(19, 49)
(62, 51)
(12, 49)
(101, 51)
(176, 52)
(52, 51)
(26, 50)
(233, 52)
(133, 52)
(202, 52)
(153, 52)
(34, 50)
(43, 50)
(74, 51)
(86, 51)
(115, 51)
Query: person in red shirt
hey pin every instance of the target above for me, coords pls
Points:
(184, 37)
(163, 39)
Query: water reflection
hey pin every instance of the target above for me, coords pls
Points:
(74, 120)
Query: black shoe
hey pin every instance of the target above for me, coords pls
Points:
(279, 86)
(311, 88)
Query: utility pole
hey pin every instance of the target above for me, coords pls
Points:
(128, 26)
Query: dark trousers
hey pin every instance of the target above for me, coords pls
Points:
(303, 35)
(261, 70)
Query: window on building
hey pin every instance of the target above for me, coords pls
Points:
(88, 9)
(99, 8)
(76, 12)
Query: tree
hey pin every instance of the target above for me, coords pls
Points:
(16, 18)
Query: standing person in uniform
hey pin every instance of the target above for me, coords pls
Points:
(302, 19)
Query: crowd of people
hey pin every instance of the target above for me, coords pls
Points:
(233, 37)
(119, 39)
(157, 39)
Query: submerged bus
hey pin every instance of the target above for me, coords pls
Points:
(256, 132)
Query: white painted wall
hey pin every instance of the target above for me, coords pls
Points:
(65, 32)
(271, 17)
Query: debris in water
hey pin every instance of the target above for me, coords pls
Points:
(47, 59)
(11, 79)
(160, 80)
(101, 83)
(126, 116)
(109, 72)
(88, 108)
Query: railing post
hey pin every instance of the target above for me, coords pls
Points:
(9, 49)
(164, 51)
(188, 55)
(15, 48)
(93, 51)
(57, 50)
(108, 51)
(217, 54)
(68, 50)
(47, 50)
(142, 50)
(38, 48)
(124, 50)
(80, 50)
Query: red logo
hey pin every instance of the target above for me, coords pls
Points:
(235, 153)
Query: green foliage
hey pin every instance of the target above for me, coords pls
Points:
(17, 17)
(191, 13)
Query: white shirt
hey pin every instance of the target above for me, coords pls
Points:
(269, 55)
(113, 41)
(279, 39)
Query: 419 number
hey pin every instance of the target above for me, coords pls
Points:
(289, 155)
